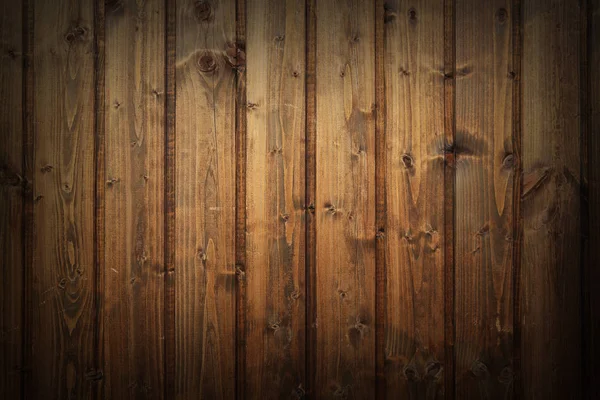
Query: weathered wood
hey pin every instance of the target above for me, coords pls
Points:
(345, 195)
(133, 277)
(414, 56)
(13, 189)
(483, 204)
(63, 189)
(550, 276)
(275, 311)
(207, 59)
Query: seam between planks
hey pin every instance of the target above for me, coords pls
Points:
(240, 206)
(169, 201)
(27, 217)
(380, 202)
(99, 197)
(310, 193)
(449, 194)
(517, 222)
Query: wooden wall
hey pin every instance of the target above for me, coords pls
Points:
(271, 199)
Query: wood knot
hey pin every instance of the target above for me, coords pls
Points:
(113, 5)
(295, 74)
(285, 217)
(11, 53)
(380, 233)
(407, 160)
(342, 293)
(508, 162)
(410, 373)
(506, 376)
(62, 283)
(479, 369)
(74, 34)
(432, 369)
(354, 38)
(502, 15)
(389, 14)
(202, 11)
(112, 181)
(412, 15)
(94, 375)
(46, 168)
(207, 62)
(236, 57)
(279, 38)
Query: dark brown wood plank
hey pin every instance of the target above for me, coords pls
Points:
(591, 198)
(345, 196)
(483, 205)
(205, 199)
(13, 189)
(550, 276)
(63, 269)
(133, 277)
(414, 83)
(275, 344)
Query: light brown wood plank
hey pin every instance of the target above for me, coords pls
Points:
(550, 274)
(414, 82)
(205, 199)
(275, 311)
(62, 349)
(13, 189)
(133, 277)
(592, 277)
(345, 198)
(483, 218)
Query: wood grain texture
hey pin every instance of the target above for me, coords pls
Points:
(483, 219)
(63, 276)
(345, 195)
(275, 311)
(205, 199)
(414, 82)
(134, 280)
(591, 198)
(550, 277)
(13, 189)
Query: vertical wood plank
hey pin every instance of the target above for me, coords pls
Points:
(275, 311)
(63, 276)
(414, 83)
(133, 288)
(550, 278)
(205, 199)
(484, 173)
(345, 212)
(13, 189)
(592, 231)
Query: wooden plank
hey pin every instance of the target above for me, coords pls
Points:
(62, 272)
(550, 278)
(483, 202)
(414, 83)
(345, 195)
(13, 189)
(275, 310)
(133, 277)
(591, 198)
(205, 199)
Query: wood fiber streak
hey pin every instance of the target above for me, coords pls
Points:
(13, 189)
(207, 60)
(414, 83)
(62, 328)
(483, 222)
(134, 281)
(275, 310)
(345, 195)
(550, 276)
(593, 202)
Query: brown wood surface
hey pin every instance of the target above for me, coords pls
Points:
(275, 311)
(550, 274)
(62, 349)
(13, 189)
(414, 82)
(134, 153)
(345, 194)
(205, 199)
(592, 201)
(484, 166)
(225, 199)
